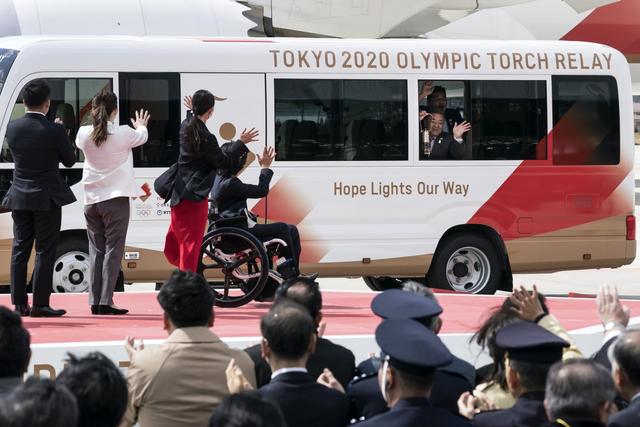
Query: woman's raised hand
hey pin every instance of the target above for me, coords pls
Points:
(268, 154)
(249, 136)
(141, 119)
(188, 102)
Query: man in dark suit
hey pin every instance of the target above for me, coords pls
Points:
(626, 377)
(35, 198)
(289, 338)
(410, 354)
(328, 355)
(531, 351)
(415, 301)
(444, 146)
(437, 100)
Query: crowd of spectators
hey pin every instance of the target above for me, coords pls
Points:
(295, 377)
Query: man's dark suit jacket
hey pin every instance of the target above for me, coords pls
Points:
(336, 358)
(527, 411)
(415, 412)
(38, 146)
(305, 403)
(627, 417)
(230, 194)
(447, 148)
(449, 383)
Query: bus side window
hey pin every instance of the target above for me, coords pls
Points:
(586, 120)
(508, 120)
(159, 93)
(341, 120)
(70, 102)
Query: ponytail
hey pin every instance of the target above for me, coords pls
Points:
(201, 102)
(103, 104)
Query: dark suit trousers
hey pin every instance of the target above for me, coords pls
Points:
(280, 230)
(44, 227)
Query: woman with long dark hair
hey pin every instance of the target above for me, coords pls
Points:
(199, 160)
(521, 305)
(109, 183)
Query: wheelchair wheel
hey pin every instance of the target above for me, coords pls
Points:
(243, 261)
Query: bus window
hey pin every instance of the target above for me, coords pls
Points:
(508, 120)
(586, 121)
(7, 57)
(320, 120)
(70, 102)
(160, 94)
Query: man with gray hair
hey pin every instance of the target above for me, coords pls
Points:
(579, 393)
(626, 377)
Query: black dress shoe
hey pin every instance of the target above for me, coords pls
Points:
(94, 309)
(107, 309)
(24, 310)
(46, 311)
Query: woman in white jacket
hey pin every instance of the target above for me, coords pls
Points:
(109, 183)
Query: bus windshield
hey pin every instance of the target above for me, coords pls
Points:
(7, 57)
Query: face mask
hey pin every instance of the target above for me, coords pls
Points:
(383, 383)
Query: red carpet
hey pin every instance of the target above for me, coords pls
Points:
(346, 313)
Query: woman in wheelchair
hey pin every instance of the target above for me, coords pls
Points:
(229, 195)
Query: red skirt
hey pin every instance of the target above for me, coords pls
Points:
(184, 238)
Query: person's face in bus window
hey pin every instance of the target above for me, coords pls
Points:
(437, 101)
(437, 122)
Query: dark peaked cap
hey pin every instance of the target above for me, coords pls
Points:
(399, 304)
(529, 342)
(411, 347)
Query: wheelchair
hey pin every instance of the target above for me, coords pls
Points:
(246, 264)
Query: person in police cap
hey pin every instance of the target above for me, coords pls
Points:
(531, 351)
(413, 301)
(410, 355)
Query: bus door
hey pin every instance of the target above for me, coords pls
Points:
(163, 94)
(240, 106)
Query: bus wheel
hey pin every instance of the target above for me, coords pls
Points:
(383, 283)
(467, 263)
(71, 269)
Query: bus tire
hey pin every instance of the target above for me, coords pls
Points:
(71, 268)
(467, 263)
(383, 283)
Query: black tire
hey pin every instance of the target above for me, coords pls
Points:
(71, 267)
(383, 283)
(467, 263)
(229, 248)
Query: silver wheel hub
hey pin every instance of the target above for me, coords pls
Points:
(468, 270)
(71, 272)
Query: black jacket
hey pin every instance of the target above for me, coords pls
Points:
(449, 383)
(338, 359)
(196, 171)
(230, 194)
(305, 403)
(415, 412)
(38, 146)
(528, 411)
(447, 148)
(627, 417)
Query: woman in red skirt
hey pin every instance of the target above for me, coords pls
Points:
(200, 158)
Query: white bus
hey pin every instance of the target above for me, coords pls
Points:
(546, 182)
